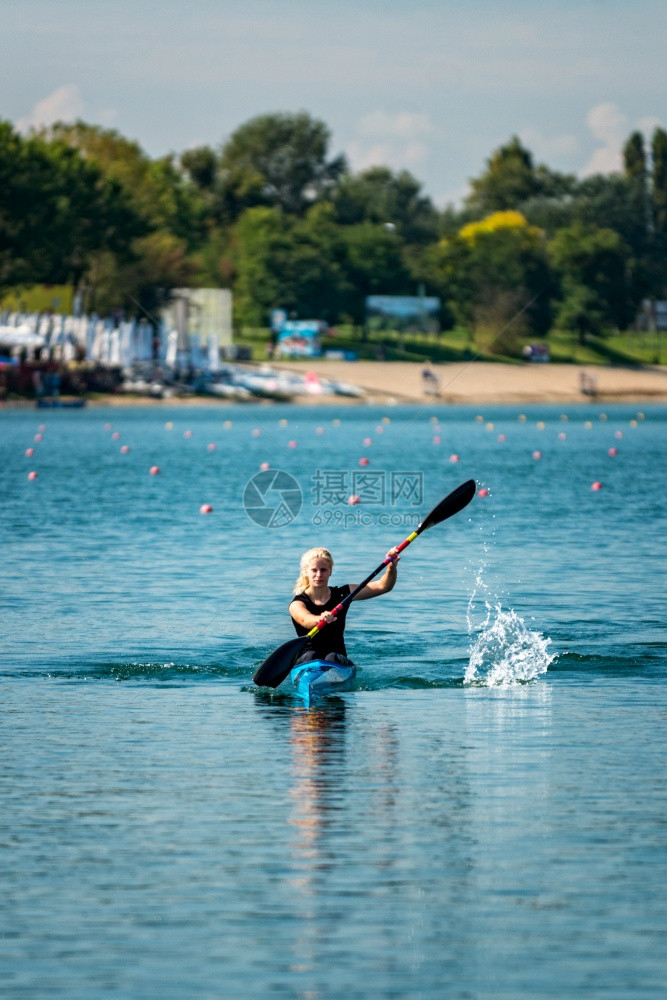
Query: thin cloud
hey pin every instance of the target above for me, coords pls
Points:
(62, 105)
(648, 125)
(392, 140)
(403, 125)
(609, 126)
(549, 147)
(107, 117)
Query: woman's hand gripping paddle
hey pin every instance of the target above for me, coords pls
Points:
(278, 664)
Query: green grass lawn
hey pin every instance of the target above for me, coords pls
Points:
(628, 348)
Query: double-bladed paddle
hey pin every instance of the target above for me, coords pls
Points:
(278, 664)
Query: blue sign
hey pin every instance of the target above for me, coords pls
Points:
(300, 339)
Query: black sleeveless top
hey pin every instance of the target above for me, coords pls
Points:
(330, 639)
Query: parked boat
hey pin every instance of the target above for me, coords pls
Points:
(347, 389)
(267, 384)
(143, 387)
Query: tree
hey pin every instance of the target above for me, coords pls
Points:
(137, 271)
(201, 166)
(659, 181)
(658, 196)
(278, 160)
(140, 282)
(495, 275)
(581, 311)
(374, 265)
(156, 189)
(510, 179)
(593, 268)
(261, 244)
(634, 158)
(380, 196)
(286, 262)
(56, 209)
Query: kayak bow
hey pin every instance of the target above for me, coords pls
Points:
(318, 678)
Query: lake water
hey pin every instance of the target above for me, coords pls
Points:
(483, 816)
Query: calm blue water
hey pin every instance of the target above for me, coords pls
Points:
(482, 817)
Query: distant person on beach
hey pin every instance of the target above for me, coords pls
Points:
(430, 381)
(587, 385)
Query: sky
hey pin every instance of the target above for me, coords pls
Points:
(430, 86)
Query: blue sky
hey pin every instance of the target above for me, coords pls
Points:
(432, 87)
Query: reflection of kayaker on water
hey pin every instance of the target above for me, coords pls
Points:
(315, 600)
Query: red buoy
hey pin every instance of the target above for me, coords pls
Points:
(483, 492)
(206, 509)
(453, 458)
(154, 470)
(596, 486)
(354, 499)
(537, 455)
(364, 461)
(32, 475)
(612, 452)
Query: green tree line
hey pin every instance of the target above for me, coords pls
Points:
(274, 216)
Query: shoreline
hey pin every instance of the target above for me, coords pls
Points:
(481, 382)
(477, 382)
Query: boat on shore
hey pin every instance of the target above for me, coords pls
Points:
(267, 384)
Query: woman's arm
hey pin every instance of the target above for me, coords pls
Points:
(386, 582)
(300, 614)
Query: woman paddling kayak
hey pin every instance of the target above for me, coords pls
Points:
(314, 601)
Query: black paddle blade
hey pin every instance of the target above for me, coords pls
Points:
(278, 664)
(452, 504)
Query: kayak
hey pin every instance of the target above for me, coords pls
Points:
(318, 678)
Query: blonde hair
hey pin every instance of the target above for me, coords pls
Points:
(306, 558)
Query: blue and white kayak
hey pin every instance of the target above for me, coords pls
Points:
(318, 678)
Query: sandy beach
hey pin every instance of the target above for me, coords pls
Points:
(481, 382)
(465, 383)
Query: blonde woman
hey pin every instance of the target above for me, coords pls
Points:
(315, 600)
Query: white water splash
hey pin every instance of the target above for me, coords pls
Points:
(506, 652)
(503, 651)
